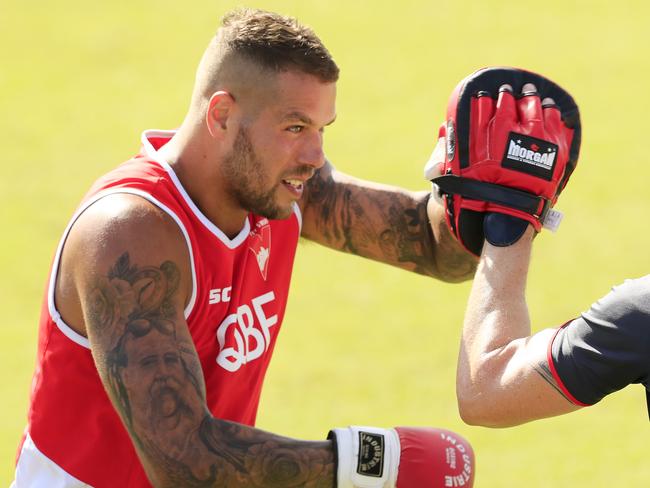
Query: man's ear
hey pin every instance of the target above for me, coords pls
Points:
(220, 108)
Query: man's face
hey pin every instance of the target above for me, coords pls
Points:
(155, 377)
(277, 152)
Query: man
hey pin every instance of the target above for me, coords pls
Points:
(506, 376)
(169, 286)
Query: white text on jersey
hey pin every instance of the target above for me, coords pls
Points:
(218, 295)
(250, 341)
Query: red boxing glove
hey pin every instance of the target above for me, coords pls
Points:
(403, 457)
(505, 152)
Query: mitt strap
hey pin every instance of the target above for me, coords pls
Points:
(491, 192)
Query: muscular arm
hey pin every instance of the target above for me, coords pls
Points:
(503, 377)
(384, 223)
(131, 272)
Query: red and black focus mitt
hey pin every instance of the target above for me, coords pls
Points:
(507, 155)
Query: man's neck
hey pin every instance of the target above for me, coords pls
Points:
(197, 170)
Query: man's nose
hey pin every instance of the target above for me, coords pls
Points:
(312, 153)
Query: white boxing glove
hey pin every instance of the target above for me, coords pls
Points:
(403, 457)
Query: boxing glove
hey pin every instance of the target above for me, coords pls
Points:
(403, 457)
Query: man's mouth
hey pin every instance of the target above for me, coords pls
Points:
(294, 184)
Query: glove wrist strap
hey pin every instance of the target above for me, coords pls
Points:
(490, 192)
(368, 457)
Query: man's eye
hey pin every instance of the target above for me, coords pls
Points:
(171, 358)
(296, 128)
(149, 361)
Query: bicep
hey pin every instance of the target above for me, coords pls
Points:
(519, 386)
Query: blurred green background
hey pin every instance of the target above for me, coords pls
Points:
(362, 343)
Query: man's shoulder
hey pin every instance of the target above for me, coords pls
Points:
(634, 287)
(626, 305)
(137, 172)
(633, 293)
(127, 214)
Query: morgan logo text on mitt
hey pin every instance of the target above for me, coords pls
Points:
(530, 155)
(526, 150)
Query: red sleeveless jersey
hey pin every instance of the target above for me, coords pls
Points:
(74, 436)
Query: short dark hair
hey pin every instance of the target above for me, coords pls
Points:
(276, 42)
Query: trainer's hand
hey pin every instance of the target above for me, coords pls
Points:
(403, 457)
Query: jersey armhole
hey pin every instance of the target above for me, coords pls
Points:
(53, 311)
(556, 376)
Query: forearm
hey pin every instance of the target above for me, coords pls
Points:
(227, 454)
(497, 312)
(383, 223)
(181, 444)
(496, 327)
(453, 262)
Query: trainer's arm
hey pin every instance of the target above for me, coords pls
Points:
(384, 223)
(133, 280)
(503, 377)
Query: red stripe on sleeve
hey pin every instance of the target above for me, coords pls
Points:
(556, 376)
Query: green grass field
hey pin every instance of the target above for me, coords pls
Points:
(362, 343)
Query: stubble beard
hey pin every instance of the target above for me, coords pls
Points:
(247, 179)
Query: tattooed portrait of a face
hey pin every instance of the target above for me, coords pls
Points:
(147, 371)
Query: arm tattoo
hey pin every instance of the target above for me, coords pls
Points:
(388, 226)
(543, 370)
(336, 209)
(408, 236)
(148, 363)
(269, 461)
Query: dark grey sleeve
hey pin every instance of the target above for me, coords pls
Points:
(607, 347)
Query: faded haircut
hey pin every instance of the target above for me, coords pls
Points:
(276, 42)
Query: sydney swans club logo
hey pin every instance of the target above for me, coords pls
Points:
(260, 245)
(530, 155)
